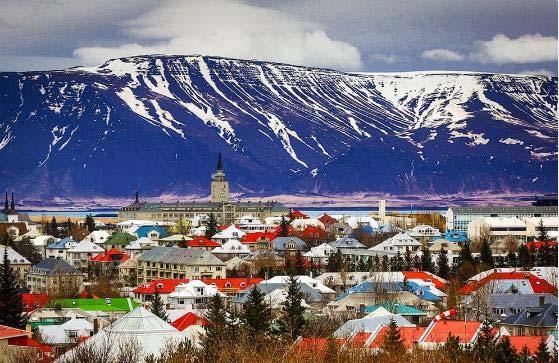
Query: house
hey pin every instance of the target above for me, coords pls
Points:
(276, 299)
(289, 246)
(502, 281)
(297, 214)
(59, 248)
(232, 285)
(320, 254)
(455, 236)
(152, 232)
(202, 243)
(327, 220)
(98, 237)
(533, 223)
(401, 242)
(498, 306)
(118, 240)
(231, 248)
(41, 242)
(192, 295)
(178, 263)
(248, 224)
(437, 332)
(19, 264)
(106, 263)
(141, 326)
(256, 241)
(369, 325)
(228, 233)
(538, 320)
(410, 313)
(497, 228)
(146, 291)
(410, 336)
(140, 245)
(53, 274)
(174, 239)
(356, 222)
(189, 319)
(452, 250)
(15, 341)
(63, 335)
(347, 243)
(424, 233)
(79, 255)
(341, 282)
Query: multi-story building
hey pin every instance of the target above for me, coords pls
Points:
(225, 210)
(178, 263)
(496, 228)
(458, 218)
(55, 276)
(80, 255)
(19, 264)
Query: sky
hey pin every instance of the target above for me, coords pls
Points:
(503, 36)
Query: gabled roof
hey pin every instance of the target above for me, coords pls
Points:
(347, 242)
(539, 316)
(298, 214)
(65, 243)
(202, 242)
(86, 246)
(533, 283)
(369, 325)
(52, 266)
(439, 283)
(530, 342)
(110, 256)
(327, 219)
(255, 237)
(401, 309)
(144, 230)
(164, 286)
(13, 256)
(7, 332)
(280, 242)
(120, 238)
(233, 282)
(409, 334)
(185, 256)
(438, 331)
(188, 319)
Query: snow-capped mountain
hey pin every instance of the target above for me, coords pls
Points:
(157, 122)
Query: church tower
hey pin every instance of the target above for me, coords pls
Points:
(220, 186)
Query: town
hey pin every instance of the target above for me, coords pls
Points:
(256, 281)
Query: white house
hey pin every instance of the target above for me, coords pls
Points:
(497, 228)
(401, 242)
(98, 237)
(231, 248)
(320, 253)
(361, 221)
(140, 245)
(192, 295)
(424, 233)
(302, 223)
(57, 249)
(277, 298)
(231, 232)
(252, 224)
(67, 333)
(79, 255)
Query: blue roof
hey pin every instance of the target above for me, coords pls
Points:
(280, 242)
(423, 292)
(144, 230)
(51, 266)
(455, 236)
(60, 244)
(401, 309)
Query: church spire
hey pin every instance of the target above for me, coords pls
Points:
(6, 205)
(219, 163)
(137, 200)
(13, 205)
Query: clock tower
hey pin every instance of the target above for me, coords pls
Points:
(220, 186)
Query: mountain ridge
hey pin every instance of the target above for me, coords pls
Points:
(282, 128)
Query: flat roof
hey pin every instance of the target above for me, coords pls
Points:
(503, 210)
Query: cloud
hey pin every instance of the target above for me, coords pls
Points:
(442, 55)
(230, 29)
(538, 72)
(528, 48)
(387, 58)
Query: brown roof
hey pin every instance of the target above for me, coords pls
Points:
(4, 226)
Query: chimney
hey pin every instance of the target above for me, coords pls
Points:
(95, 325)
(542, 300)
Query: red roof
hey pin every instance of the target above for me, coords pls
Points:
(202, 242)
(537, 244)
(440, 330)
(189, 319)
(426, 276)
(255, 237)
(25, 341)
(326, 219)
(313, 232)
(290, 230)
(359, 340)
(7, 332)
(297, 214)
(409, 334)
(166, 286)
(33, 301)
(538, 284)
(110, 256)
(532, 342)
(233, 282)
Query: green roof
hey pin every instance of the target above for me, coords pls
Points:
(396, 309)
(117, 304)
(120, 238)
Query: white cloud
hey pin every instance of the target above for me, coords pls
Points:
(528, 48)
(538, 72)
(387, 58)
(230, 29)
(442, 55)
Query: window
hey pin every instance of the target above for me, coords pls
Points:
(218, 268)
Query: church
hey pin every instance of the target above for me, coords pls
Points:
(220, 205)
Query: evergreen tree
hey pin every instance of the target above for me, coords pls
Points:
(452, 348)
(362, 266)
(542, 353)
(542, 232)
(408, 261)
(332, 351)
(466, 253)
(426, 260)
(511, 259)
(212, 226)
(333, 264)
(485, 254)
(299, 264)
(393, 342)
(11, 306)
(216, 329)
(26, 248)
(505, 353)
(256, 313)
(443, 270)
(292, 311)
(524, 258)
(283, 227)
(54, 228)
(466, 267)
(376, 264)
(385, 264)
(157, 307)
(90, 223)
(524, 356)
(484, 349)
